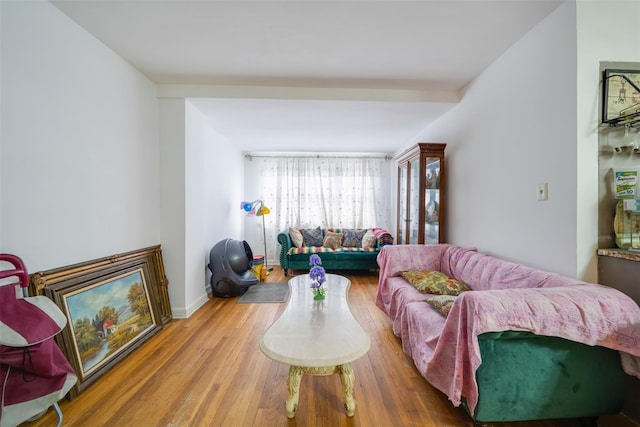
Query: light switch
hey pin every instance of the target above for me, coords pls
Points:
(543, 192)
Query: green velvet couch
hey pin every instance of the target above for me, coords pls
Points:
(294, 258)
(562, 379)
(521, 344)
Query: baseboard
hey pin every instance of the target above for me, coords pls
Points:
(186, 312)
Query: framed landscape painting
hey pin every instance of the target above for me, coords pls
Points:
(111, 307)
(108, 317)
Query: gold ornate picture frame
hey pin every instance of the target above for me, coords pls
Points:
(112, 304)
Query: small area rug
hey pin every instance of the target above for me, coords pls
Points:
(266, 292)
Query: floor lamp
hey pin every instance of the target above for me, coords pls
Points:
(257, 208)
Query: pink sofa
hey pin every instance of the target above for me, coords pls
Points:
(505, 297)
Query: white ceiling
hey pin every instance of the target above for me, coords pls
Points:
(304, 75)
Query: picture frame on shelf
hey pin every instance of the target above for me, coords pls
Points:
(621, 96)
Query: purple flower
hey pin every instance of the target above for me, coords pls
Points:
(317, 276)
(315, 260)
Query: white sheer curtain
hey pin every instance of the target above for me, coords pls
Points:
(307, 192)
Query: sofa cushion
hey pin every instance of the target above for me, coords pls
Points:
(434, 282)
(296, 237)
(354, 254)
(369, 240)
(442, 303)
(308, 250)
(332, 240)
(353, 238)
(323, 249)
(312, 236)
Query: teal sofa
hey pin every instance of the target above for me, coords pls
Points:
(548, 377)
(343, 258)
(517, 343)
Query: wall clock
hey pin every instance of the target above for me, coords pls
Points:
(621, 96)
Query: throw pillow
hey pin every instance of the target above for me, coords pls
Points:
(352, 238)
(296, 237)
(312, 236)
(369, 240)
(442, 303)
(434, 282)
(332, 240)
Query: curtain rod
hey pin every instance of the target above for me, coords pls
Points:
(303, 155)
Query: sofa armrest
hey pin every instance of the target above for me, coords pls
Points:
(392, 259)
(587, 313)
(396, 258)
(383, 237)
(285, 244)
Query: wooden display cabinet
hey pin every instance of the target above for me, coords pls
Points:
(421, 197)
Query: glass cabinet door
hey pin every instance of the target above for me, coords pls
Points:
(432, 201)
(402, 203)
(414, 201)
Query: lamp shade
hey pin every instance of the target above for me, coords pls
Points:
(246, 206)
(255, 208)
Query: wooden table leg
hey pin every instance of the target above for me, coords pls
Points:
(293, 384)
(348, 378)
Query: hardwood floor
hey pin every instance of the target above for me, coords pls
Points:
(208, 371)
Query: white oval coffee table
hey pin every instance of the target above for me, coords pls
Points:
(317, 337)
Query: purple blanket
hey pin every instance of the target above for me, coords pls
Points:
(506, 296)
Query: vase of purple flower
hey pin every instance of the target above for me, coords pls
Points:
(317, 276)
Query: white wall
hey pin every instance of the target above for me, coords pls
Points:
(172, 213)
(222, 191)
(195, 197)
(80, 161)
(514, 128)
(214, 182)
(202, 178)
